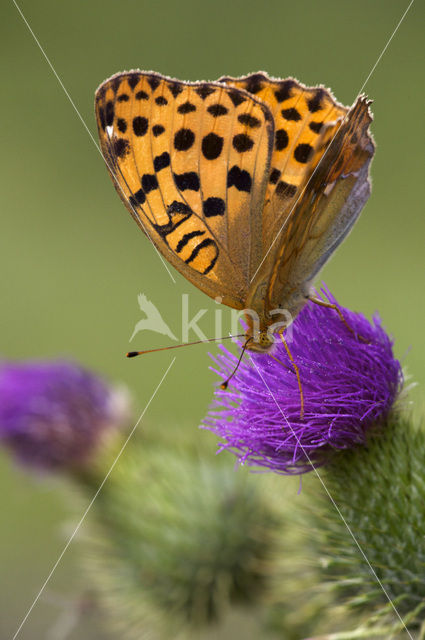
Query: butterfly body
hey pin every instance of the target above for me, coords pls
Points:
(246, 185)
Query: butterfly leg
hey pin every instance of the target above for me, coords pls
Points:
(296, 369)
(331, 305)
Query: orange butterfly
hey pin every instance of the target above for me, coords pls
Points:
(246, 185)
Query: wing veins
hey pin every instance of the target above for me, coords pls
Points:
(151, 219)
(254, 173)
(301, 186)
(151, 146)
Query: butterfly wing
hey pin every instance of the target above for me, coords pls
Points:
(331, 203)
(318, 184)
(191, 163)
(302, 115)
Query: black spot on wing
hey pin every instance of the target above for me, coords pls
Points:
(291, 114)
(212, 145)
(217, 110)
(239, 178)
(141, 95)
(175, 88)
(242, 142)
(122, 125)
(140, 125)
(186, 107)
(109, 113)
(281, 139)
(316, 127)
(204, 91)
(133, 79)
(213, 207)
(153, 82)
(138, 198)
(236, 97)
(255, 83)
(188, 180)
(285, 190)
(162, 161)
(115, 84)
(284, 91)
(274, 176)
(100, 94)
(184, 139)
(121, 147)
(101, 113)
(157, 129)
(315, 103)
(149, 182)
(250, 121)
(303, 152)
(179, 207)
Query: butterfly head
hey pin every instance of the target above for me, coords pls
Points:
(258, 335)
(261, 343)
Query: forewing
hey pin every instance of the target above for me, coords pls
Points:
(306, 118)
(191, 163)
(331, 202)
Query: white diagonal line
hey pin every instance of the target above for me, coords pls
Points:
(333, 501)
(91, 502)
(330, 144)
(385, 48)
(89, 132)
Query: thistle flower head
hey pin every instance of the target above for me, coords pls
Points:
(349, 380)
(53, 415)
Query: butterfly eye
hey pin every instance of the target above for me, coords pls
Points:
(264, 339)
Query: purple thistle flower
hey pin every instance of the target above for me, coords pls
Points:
(349, 381)
(53, 415)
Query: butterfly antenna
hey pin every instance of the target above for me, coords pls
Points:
(133, 354)
(225, 384)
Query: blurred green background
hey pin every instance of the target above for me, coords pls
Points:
(73, 261)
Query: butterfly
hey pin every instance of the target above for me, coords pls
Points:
(245, 185)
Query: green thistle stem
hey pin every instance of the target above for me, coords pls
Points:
(176, 540)
(380, 491)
